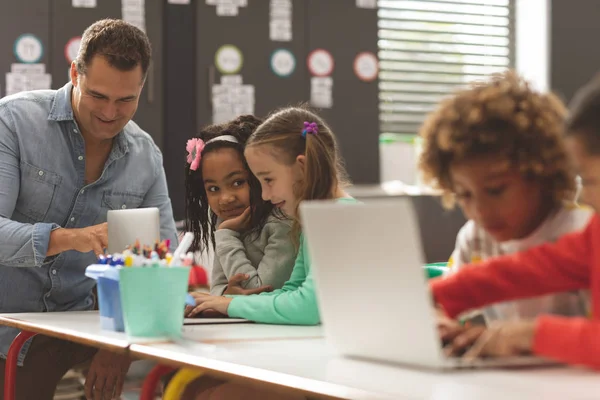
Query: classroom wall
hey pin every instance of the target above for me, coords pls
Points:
(574, 30)
(196, 33)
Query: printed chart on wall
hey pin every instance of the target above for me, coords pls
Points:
(84, 3)
(320, 65)
(366, 3)
(24, 77)
(134, 12)
(231, 98)
(366, 66)
(227, 8)
(280, 20)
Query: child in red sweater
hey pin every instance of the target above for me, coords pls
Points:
(572, 263)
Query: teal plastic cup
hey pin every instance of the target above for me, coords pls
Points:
(153, 300)
(434, 270)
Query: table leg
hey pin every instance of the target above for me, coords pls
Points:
(10, 373)
(149, 386)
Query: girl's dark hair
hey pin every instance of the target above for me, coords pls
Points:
(324, 167)
(583, 120)
(198, 218)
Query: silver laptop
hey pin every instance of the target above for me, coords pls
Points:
(127, 226)
(371, 287)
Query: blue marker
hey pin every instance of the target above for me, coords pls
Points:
(190, 300)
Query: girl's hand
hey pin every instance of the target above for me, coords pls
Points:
(504, 339)
(215, 303)
(234, 286)
(239, 223)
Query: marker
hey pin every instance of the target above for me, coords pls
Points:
(188, 260)
(190, 300)
(183, 247)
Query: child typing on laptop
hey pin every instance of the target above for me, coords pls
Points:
(496, 148)
(224, 208)
(572, 263)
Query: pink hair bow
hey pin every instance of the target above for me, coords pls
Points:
(310, 127)
(194, 148)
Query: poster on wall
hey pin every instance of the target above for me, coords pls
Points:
(280, 20)
(366, 3)
(283, 63)
(227, 8)
(229, 59)
(231, 98)
(320, 62)
(72, 48)
(24, 77)
(83, 3)
(134, 12)
(320, 65)
(28, 48)
(366, 66)
(321, 89)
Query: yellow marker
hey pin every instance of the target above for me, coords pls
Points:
(128, 261)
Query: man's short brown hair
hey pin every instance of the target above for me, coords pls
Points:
(123, 45)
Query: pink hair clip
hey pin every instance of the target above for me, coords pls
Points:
(194, 148)
(310, 127)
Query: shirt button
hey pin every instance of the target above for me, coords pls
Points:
(75, 130)
(41, 173)
(53, 272)
(123, 207)
(82, 191)
(80, 158)
(72, 219)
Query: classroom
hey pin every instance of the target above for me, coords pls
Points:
(299, 199)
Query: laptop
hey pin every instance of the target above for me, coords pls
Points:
(371, 287)
(127, 226)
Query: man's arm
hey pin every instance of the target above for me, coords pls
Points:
(22, 244)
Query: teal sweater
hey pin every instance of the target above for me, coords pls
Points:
(294, 304)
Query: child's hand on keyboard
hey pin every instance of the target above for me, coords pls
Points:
(458, 338)
(503, 339)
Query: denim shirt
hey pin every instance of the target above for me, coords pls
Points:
(42, 188)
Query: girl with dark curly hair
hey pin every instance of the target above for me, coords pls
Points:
(224, 209)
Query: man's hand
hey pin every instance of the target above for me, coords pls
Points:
(234, 286)
(239, 223)
(106, 376)
(93, 238)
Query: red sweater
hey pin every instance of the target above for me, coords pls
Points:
(571, 263)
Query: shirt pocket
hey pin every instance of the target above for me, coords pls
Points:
(36, 193)
(118, 200)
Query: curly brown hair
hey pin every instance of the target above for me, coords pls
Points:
(501, 116)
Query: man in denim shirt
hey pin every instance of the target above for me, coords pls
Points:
(66, 158)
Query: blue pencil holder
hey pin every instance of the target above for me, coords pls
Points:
(109, 296)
